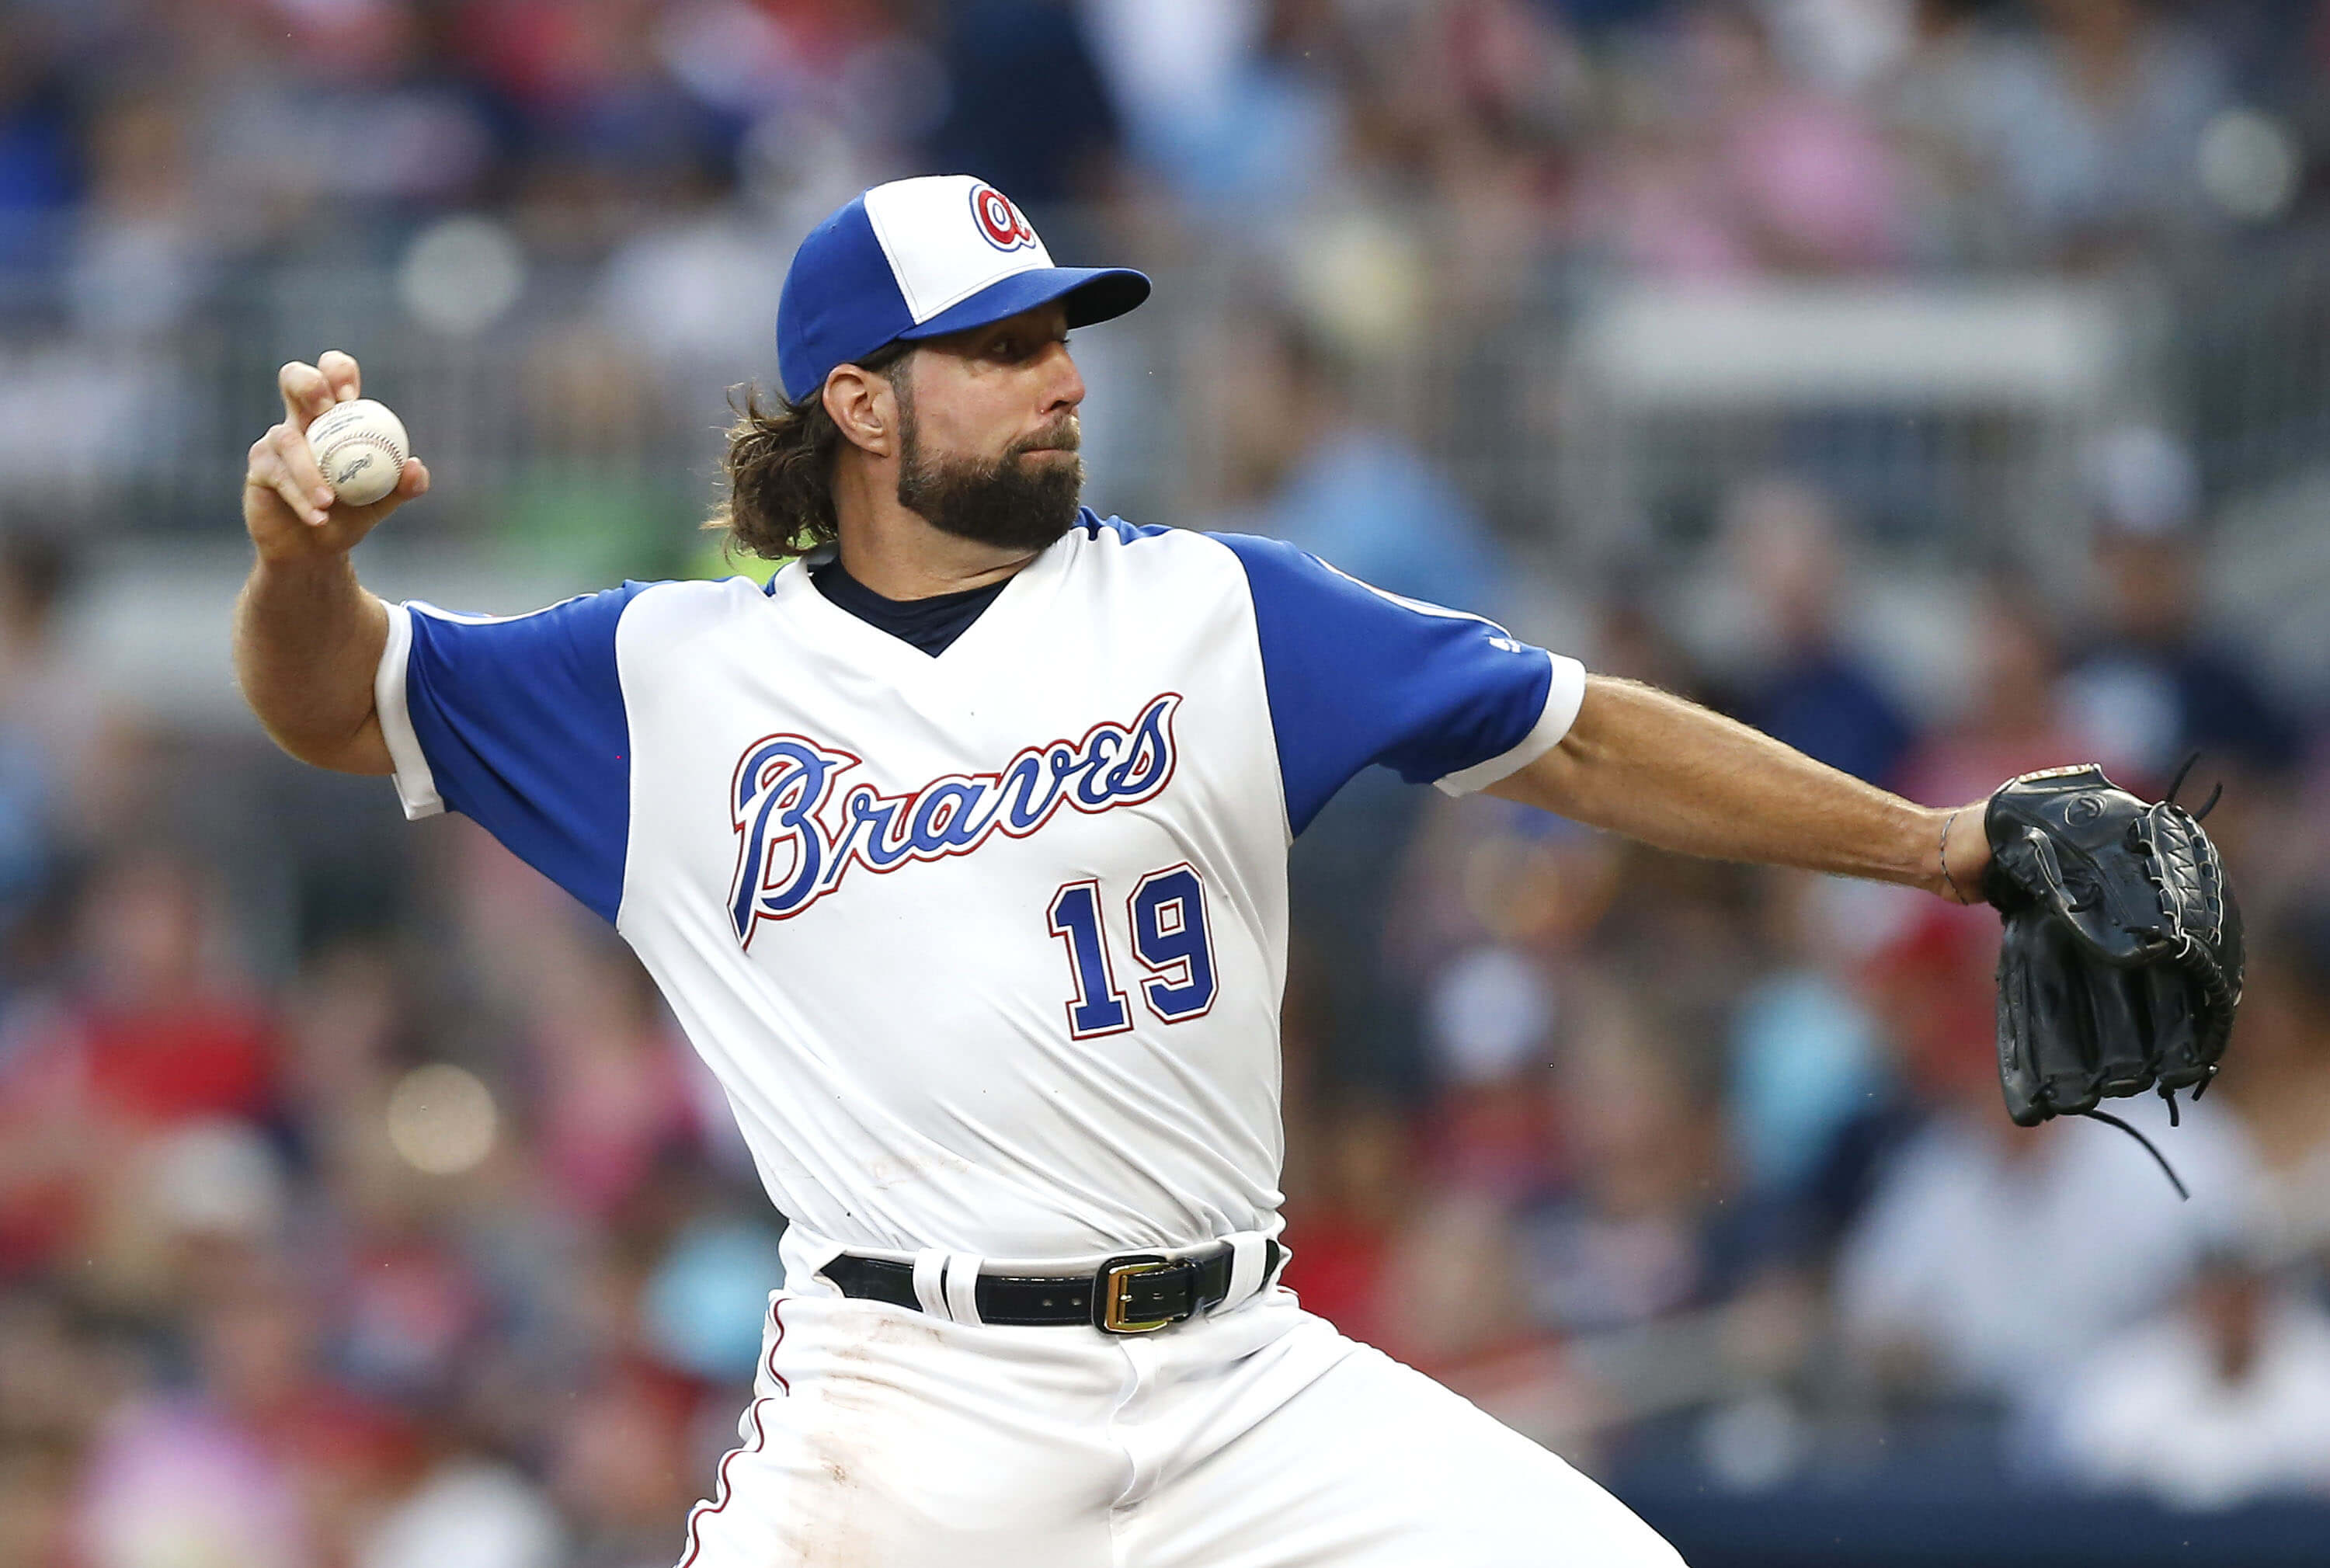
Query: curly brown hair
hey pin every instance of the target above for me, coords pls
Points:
(778, 469)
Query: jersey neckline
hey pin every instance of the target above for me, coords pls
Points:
(792, 592)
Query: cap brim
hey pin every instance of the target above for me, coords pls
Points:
(1092, 294)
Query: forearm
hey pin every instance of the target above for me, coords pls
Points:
(1669, 772)
(308, 641)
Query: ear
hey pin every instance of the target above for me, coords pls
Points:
(864, 408)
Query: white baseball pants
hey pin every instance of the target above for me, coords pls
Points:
(1260, 1438)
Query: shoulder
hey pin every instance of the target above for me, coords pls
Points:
(581, 614)
(1112, 536)
(590, 631)
(1146, 546)
(1161, 558)
(666, 626)
(669, 606)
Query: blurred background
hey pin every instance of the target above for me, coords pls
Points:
(1942, 386)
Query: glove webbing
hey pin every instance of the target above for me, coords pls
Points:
(2209, 976)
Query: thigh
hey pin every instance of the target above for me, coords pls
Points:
(880, 1439)
(1376, 1465)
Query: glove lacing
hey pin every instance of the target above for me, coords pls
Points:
(2165, 1169)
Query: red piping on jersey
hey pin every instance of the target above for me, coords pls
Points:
(702, 1511)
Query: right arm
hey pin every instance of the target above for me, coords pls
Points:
(307, 638)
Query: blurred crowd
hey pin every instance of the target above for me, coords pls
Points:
(613, 183)
(148, 145)
(359, 1203)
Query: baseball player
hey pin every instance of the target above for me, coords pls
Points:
(960, 851)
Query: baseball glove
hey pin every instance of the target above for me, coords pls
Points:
(2121, 965)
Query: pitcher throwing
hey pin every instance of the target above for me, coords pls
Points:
(960, 851)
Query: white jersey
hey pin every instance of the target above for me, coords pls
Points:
(986, 949)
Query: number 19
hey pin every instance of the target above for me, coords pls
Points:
(1167, 916)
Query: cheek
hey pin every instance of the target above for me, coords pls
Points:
(967, 430)
(976, 410)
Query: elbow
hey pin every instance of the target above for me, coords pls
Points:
(1571, 778)
(1587, 747)
(363, 752)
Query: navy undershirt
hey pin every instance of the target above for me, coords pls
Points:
(930, 624)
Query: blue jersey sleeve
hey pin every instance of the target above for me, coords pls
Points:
(518, 724)
(1356, 675)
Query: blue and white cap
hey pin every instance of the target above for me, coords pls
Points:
(919, 259)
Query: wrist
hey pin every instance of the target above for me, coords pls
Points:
(302, 564)
(1960, 855)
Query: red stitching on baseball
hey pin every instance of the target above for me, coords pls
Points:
(721, 1492)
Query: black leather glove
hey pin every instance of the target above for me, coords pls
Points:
(2121, 965)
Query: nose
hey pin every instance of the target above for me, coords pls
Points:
(1064, 384)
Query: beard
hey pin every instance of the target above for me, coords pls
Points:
(1007, 502)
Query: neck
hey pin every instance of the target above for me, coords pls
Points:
(899, 555)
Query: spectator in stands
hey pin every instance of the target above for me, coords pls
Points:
(162, 1031)
(1028, 105)
(1638, 1231)
(471, 1512)
(2279, 1074)
(55, 1385)
(2222, 1401)
(1802, 683)
(1742, 169)
(51, 706)
(141, 251)
(1991, 1254)
(40, 160)
(1312, 468)
(614, 1096)
(1224, 112)
(2155, 682)
(2015, 718)
(2097, 125)
(1805, 1059)
(263, 1461)
(1347, 1204)
(1938, 102)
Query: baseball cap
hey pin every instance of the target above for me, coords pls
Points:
(922, 257)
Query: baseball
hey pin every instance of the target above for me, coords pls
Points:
(360, 447)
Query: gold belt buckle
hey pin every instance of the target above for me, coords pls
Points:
(1115, 1279)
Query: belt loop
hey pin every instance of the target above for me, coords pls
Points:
(962, 1286)
(930, 1281)
(1249, 1262)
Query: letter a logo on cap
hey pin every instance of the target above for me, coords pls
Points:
(999, 222)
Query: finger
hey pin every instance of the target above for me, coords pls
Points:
(306, 392)
(340, 373)
(299, 463)
(268, 473)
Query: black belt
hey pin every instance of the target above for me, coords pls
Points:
(1134, 1293)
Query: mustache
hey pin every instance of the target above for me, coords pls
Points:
(1063, 434)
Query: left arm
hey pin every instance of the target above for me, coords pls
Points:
(1653, 767)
